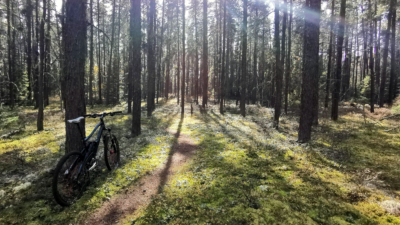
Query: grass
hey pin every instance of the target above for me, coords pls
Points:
(244, 172)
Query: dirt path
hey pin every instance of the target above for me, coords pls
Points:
(141, 193)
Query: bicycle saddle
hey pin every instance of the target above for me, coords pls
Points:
(77, 120)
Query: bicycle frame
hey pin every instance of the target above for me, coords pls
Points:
(85, 151)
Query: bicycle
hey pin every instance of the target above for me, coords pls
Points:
(71, 175)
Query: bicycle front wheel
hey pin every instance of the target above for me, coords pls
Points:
(70, 179)
(111, 152)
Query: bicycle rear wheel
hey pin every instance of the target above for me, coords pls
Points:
(70, 178)
(111, 152)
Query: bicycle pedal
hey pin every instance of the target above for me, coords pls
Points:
(93, 166)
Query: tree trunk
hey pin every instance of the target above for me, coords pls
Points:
(371, 56)
(109, 91)
(278, 70)
(29, 47)
(309, 90)
(99, 75)
(135, 61)
(288, 58)
(183, 60)
(336, 88)
(328, 73)
(221, 103)
(392, 56)
(91, 56)
(205, 55)
(385, 55)
(75, 57)
(151, 60)
(244, 62)
(42, 70)
(46, 75)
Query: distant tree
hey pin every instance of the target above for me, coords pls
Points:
(91, 56)
(75, 61)
(244, 62)
(183, 60)
(205, 56)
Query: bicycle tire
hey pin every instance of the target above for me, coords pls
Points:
(111, 152)
(67, 172)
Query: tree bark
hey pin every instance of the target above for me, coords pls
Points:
(91, 56)
(244, 62)
(328, 73)
(135, 61)
(385, 55)
(338, 73)
(151, 60)
(221, 103)
(99, 75)
(309, 90)
(183, 61)
(75, 58)
(205, 56)
(278, 70)
(393, 74)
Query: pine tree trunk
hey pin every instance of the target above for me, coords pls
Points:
(42, 70)
(99, 75)
(205, 56)
(222, 89)
(135, 62)
(338, 73)
(371, 56)
(393, 74)
(278, 70)
(29, 47)
(91, 55)
(151, 60)
(385, 55)
(109, 90)
(244, 62)
(183, 60)
(309, 90)
(288, 58)
(75, 57)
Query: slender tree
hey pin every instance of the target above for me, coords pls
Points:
(29, 46)
(91, 56)
(99, 75)
(151, 64)
(135, 61)
(328, 73)
(205, 55)
(288, 58)
(393, 63)
(42, 69)
(183, 60)
(244, 62)
(278, 69)
(222, 89)
(338, 73)
(385, 55)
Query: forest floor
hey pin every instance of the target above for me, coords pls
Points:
(209, 168)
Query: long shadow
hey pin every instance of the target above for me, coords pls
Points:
(164, 174)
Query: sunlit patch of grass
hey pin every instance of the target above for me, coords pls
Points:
(242, 176)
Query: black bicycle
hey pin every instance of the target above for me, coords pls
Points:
(71, 175)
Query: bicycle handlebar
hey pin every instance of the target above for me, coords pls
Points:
(103, 114)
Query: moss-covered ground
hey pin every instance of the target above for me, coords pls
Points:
(244, 171)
